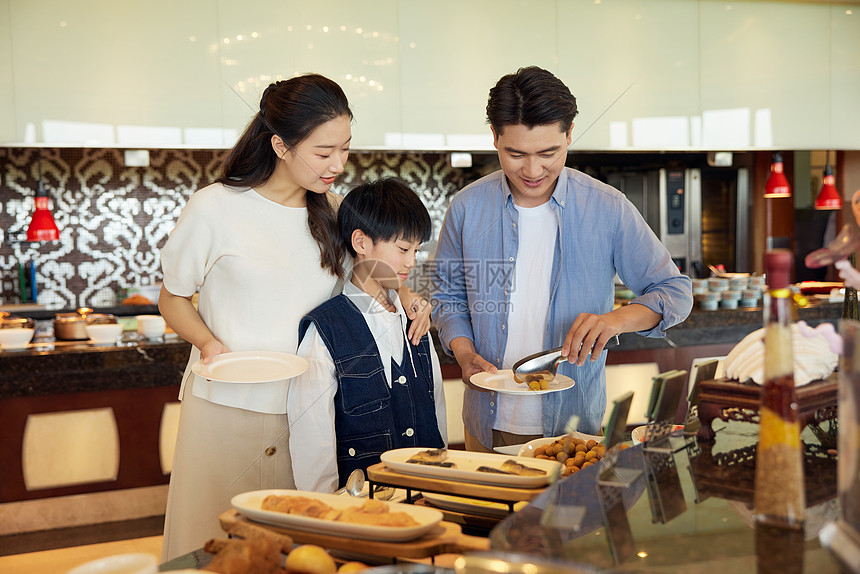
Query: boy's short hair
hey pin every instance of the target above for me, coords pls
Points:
(385, 210)
(531, 97)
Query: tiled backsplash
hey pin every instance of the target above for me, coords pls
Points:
(114, 219)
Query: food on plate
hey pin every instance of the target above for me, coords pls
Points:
(491, 469)
(301, 505)
(515, 467)
(244, 556)
(445, 464)
(432, 457)
(813, 357)
(137, 299)
(511, 466)
(573, 452)
(253, 549)
(371, 513)
(535, 382)
(310, 559)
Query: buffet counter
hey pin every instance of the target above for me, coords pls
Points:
(688, 509)
(79, 418)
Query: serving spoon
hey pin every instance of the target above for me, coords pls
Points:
(543, 365)
(354, 483)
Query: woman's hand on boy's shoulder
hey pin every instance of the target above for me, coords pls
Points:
(418, 310)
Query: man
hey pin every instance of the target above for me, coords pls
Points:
(526, 261)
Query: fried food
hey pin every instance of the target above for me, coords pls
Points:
(573, 452)
(492, 469)
(511, 466)
(514, 467)
(445, 464)
(433, 457)
(371, 513)
(250, 531)
(259, 556)
(299, 505)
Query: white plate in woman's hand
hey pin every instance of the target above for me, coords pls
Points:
(251, 367)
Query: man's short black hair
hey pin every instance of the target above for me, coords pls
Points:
(385, 210)
(531, 97)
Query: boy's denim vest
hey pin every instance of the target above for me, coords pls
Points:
(370, 417)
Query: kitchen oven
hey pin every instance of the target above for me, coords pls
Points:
(701, 213)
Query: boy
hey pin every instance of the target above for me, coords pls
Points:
(526, 261)
(367, 390)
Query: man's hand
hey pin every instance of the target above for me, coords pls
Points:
(589, 332)
(588, 335)
(470, 361)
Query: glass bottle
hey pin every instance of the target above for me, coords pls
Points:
(779, 486)
(779, 498)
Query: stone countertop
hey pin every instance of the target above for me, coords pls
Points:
(705, 328)
(724, 326)
(47, 367)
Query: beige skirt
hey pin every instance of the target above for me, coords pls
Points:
(220, 452)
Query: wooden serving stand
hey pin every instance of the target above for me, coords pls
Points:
(380, 474)
(728, 399)
(445, 538)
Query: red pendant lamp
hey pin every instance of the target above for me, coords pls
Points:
(828, 197)
(777, 184)
(42, 225)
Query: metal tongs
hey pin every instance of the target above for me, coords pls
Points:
(543, 365)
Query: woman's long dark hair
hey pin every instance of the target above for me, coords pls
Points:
(292, 109)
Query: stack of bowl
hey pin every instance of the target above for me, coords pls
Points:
(734, 293)
(709, 299)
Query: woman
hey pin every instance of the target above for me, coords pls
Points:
(260, 246)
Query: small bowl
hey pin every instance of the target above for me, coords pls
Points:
(151, 326)
(729, 303)
(757, 282)
(17, 338)
(638, 434)
(104, 333)
(718, 284)
(738, 283)
(708, 301)
(730, 295)
(135, 563)
(751, 294)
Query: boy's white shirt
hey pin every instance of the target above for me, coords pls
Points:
(310, 402)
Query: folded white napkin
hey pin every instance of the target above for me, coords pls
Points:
(813, 358)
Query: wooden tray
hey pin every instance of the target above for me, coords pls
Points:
(728, 399)
(380, 474)
(447, 538)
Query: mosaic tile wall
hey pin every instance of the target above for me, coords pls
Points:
(114, 219)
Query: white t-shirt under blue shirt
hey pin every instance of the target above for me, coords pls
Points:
(529, 302)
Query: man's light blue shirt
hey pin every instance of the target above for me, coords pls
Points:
(600, 233)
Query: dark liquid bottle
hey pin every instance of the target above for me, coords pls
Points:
(779, 499)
